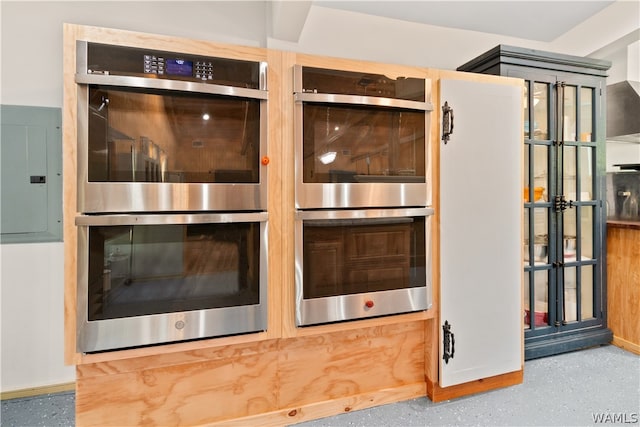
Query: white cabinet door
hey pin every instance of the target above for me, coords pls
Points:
(480, 231)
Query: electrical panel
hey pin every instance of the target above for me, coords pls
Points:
(31, 174)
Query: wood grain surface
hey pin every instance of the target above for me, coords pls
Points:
(247, 380)
(623, 286)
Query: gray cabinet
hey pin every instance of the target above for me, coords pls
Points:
(563, 191)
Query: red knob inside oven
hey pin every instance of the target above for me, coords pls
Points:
(265, 160)
(369, 304)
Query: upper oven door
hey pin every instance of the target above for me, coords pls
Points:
(361, 140)
(147, 143)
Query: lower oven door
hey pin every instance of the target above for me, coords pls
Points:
(353, 264)
(150, 279)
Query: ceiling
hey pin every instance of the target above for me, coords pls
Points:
(533, 20)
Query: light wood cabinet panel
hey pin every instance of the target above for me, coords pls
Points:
(253, 381)
(318, 368)
(185, 393)
(623, 284)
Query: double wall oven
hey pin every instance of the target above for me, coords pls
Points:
(172, 196)
(362, 195)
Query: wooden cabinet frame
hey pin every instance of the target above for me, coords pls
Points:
(286, 374)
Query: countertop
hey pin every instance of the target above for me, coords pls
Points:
(620, 223)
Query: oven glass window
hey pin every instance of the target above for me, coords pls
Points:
(137, 136)
(362, 144)
(344, 257)
(151, 269)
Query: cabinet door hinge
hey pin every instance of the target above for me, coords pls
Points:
(448, 342)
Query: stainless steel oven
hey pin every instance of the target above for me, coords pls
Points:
(172, 195)
(167, 131)
(149, 279)
(361, 139)
(353, 264)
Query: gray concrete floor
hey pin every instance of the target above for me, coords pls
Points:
(590, 387)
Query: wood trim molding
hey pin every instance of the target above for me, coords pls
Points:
(37, 391)
(626, 345)
(439, 394)
(330, 407)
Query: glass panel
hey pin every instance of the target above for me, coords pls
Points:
(540, 173)
(586, 173)
(342, 257)
(569, 239)
(586, 232)
(527, 306)
(525, 177)
(527, 248)
(569, 302)
(525, 103)
(586, 114)
(569, 172)
(151, 269)
(586, 291)
(366, 84)
(540, 111)
(142, 137)
(540, 239)
(569, 130)
(541, 303)
(363, 144)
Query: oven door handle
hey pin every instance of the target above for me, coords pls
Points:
(164, 84)
(164, 219)
(362, 214)
(335, 98)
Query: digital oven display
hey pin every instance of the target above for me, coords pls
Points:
(179, 67)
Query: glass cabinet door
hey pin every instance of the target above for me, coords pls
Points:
(561, 211)
(539, 179)
(578, 213)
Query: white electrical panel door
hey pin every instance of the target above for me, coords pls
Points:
(30, 174)
(480, 232)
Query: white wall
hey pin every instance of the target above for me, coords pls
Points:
(31, 74)
(32, 316)
(32, 35)
(602, 29)
(621, 152)
(347, 34)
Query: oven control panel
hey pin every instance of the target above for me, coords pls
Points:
(133, 61)
(159, 65)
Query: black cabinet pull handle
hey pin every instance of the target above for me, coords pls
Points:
(448, 342)
(447, 122)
